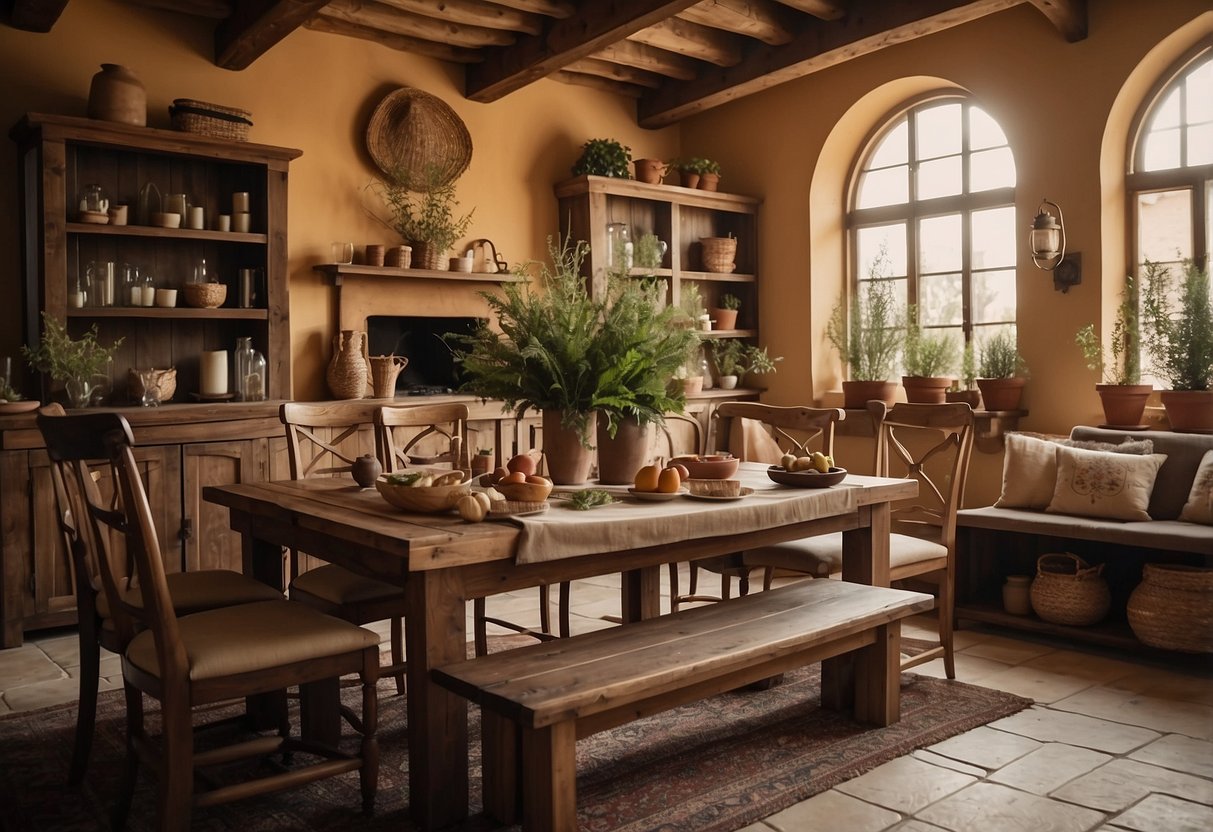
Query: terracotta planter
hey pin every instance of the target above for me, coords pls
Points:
(926, 389)
(857, 394)
(709, 181)
(1001, 393)
(970, 397)
(116, 94)
(1123, 404)
(568, 458)
(1189, 409)
(725, 318)
(692, 386)
(689, 180)
(651, 171)
(620, 458)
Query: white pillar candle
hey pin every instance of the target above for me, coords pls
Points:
(75, 299)
(214, 372)
(240, 222)
(149, 295)
(240, 202)
(197, 217)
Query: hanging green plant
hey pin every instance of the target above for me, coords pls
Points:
(604, 157)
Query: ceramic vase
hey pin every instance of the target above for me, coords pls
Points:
(568, 457)
(117, 95)
(347, 372)
(620, 457)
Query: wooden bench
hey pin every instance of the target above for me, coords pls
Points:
(543, 697)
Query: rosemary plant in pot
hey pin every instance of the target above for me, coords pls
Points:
(726, 313)
(543, 357)
(1002, 372)
(867, 341)
(929, 357)
(1121, 392)
(77, 364)
(1177, 330)
(426, 216)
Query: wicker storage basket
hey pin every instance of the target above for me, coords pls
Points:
(1172, 608)
(205, 295)
(719, 254)
(1068, 591)
(214, 120)
(164, 380)
(429, 256)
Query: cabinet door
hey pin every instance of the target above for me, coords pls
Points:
(210, 542)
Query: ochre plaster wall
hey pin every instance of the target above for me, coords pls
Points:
(314, 92)
(1063, 106)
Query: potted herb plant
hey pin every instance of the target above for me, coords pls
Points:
(969, 394)
(604, 157)
(426, 217)
(726, 313)
(694, 170)
(1177, 329)
(757, 362)
(1002, 372)
(929, 357)
(77, 364)
(868, 340)
(729, 356)
(1121, 392)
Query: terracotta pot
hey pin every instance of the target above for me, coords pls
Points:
(725, 318)
(1001, 393)
(970, 397)
(569, 460)
(651, 171)
(1189, 409)
(689, 180)
(1123, 404)
(692, 386)
(620, 458)
(857, 394)
(709, 181)
(117, 95)
(926, 389)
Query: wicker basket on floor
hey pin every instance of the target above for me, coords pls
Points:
(1172, 608)
(1068, 591)
(213, 120)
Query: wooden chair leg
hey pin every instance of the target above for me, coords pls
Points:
(545, 608)
(368, 775)
(693, 583)
(130, 769)
(86, 707)
(675, 600)
(726, 586)
(480, 628)
(175, 795)
(398, 653)
(946, 612)
(768, 575)
(566, 601)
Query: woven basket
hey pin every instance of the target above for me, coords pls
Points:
(164, 380)
(429, 256)
(1068, 591)
(719, 254)
(203, 118)
(1172, 608)
(416, 138)
(205, 295)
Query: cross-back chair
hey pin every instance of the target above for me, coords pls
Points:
(190, 591)
(189, 661)
(780, 430)
(930, 443)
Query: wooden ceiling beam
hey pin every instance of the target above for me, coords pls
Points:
(214, 9)
(641, 56)
(374, 15)
(615, 72)
(870, 25)
(1069, 16)
(473, 13)
(255, 26)
(760, 19)
(439, 51)
(35, 15)
(595, 82)
(692, 40)
(821, 9)
(559, 9)
(596, 25)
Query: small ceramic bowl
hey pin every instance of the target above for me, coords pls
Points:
(526, 492)
(425, 499)
(709, 467)
(166, 219)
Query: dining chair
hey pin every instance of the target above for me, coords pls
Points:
(930, 443)
(767, 431)
(324, 440)
(190, 591)
(191, 662)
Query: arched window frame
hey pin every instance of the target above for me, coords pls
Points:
(915, 210)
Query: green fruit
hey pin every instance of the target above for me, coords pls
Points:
(788, 462)
(821, 462)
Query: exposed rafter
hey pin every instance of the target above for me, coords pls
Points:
(760, 19)
(559, 9)
(255, 26)
(565, 41)
(641, 56)
(216, 9)
(693, 40)
(824, 9)
(382, 16)
(1069, 16)
(595, 82)
(35, 15)
(870, 25)
(404, 43)
(615, 72)
(473, 13)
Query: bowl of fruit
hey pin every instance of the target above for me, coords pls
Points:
(817, 470)
(421, 490)
(519, 480)
(718, 466)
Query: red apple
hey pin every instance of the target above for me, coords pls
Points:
(525, 463)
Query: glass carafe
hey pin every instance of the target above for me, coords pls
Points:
(132, 286)
(619, 246)
(242, 360)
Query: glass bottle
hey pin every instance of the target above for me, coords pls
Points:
(705, 369)
(77, 294)
(619, 246)
(242, 361)
(132, 286)
(255, 379)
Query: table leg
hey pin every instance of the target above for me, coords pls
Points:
(641, 594)
(263, 561)
(435, 635)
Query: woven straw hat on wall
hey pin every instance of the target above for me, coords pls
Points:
(413, 133)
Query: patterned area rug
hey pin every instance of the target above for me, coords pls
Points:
(713, 766)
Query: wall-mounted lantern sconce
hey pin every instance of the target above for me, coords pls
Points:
(1047, 240)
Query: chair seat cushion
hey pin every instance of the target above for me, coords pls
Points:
(207, 589)
(821, 555)
(339, 586)
(253, 637)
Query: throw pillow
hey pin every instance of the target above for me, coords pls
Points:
(1029, 468)
(1101, 484)
(1199, 508)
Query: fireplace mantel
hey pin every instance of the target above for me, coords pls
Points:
(338, 272)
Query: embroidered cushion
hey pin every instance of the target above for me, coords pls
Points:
(1102, 484)
(1199, 508)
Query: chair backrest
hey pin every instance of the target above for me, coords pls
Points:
(323, 439)
(401, 429)
(930, 443)
(680, 433)
(793, 429)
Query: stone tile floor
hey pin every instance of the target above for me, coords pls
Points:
(1112, 744)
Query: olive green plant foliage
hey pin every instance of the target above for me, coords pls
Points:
(734, 358)
(869, 340)
(1121, 364)
(999, 357)
(604, 157)
(1177, 324)
(428, 215)
(730, 301)
(697, 164)
(63, 358)
(647, 253)
(690, 302)
(926, 353)
(968, 366)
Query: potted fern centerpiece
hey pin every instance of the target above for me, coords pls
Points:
(1121, 392)
(1002, 372)
(929, 358)
(868, 340)
(1177, 329)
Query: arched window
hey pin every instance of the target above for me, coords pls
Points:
(1170, 177)
(932, 208)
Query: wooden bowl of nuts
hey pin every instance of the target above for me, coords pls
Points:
(205, 295)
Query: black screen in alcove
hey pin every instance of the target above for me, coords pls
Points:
(420, 339)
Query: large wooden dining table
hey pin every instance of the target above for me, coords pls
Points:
(440, 562)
